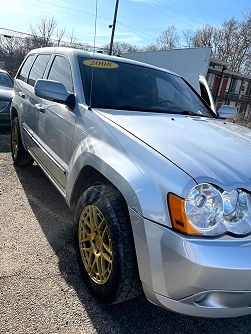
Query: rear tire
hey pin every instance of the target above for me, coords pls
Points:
(108, 242)
(20, 156)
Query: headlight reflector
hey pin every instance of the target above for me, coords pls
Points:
(204, 207)
(236, 206)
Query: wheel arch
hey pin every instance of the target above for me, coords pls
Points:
(13, 113)
(87, 177)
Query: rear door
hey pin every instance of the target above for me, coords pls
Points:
(56, 124)
(21, 101)
(32, 101)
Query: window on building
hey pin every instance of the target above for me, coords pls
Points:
(248, 91)
(232, 85)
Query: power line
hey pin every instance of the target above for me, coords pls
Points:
(75, 44)
(165, 13)
(179, 12)
(74, 10)
(16, 31)
(133, 29)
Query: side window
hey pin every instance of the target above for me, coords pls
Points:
(23, 73)
(60, 71)
(38, 68)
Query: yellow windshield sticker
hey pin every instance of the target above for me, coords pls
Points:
(100, 63)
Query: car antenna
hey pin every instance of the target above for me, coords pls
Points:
(94, 47)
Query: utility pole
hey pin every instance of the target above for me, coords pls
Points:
(113, 26)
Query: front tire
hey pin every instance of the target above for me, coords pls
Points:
(20, 156)
(105, 248)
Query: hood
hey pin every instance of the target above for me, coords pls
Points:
(6, 94)
(208, 149)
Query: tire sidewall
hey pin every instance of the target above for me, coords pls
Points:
(22, 158)
(15, 123)
(96, 196)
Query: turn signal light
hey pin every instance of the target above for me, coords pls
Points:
(180, 222)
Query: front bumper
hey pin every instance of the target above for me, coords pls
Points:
(210, 304)
(196, 276)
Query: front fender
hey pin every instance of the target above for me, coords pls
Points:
(141, 174)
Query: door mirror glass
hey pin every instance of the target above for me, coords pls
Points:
(227, 111)
(54, 91)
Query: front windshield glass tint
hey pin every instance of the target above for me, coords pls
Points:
(118, 85)
(5, 80)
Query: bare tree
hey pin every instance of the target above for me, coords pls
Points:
(188, 38)
(42, 33)
(12, 51)
(168, 39)
(230, 42)
(60, 34)
(72, 37)
(151, 47)
(121, 47)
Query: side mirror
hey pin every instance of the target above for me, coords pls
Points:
(228, 112)
(54, 91)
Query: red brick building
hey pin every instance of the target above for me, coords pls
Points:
(230, 87)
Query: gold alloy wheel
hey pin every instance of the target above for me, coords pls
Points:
(95, 244)
(14, 140)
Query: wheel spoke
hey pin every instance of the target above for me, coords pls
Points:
(95, 244)
(89, 259)
(107, 249)
(106, 257)
(99, 267)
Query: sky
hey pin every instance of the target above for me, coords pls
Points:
(140, 22)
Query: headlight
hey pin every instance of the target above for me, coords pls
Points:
(211, 211)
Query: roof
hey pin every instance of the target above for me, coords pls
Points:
(230, 73)
(218, 62)
(79, 52)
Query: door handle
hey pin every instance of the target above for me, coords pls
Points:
(21, 94)
(40, 107)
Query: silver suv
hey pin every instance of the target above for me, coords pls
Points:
(159, 183)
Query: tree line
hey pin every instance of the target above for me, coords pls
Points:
(230, 42)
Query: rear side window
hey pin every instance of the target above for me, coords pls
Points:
(60, 71)
(23, 74)
(38, 69)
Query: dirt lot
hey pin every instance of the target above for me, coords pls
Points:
(40, 285)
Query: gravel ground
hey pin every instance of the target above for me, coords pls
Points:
(40, 285)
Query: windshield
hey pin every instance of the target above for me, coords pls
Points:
(118, 85)
(5, 80)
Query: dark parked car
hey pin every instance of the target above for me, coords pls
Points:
(6, 95)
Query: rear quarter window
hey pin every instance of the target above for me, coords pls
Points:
(24, 72)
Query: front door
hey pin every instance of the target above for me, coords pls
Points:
(56, 125)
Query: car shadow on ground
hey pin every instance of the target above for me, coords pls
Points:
(135, 316)
(4, 139)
